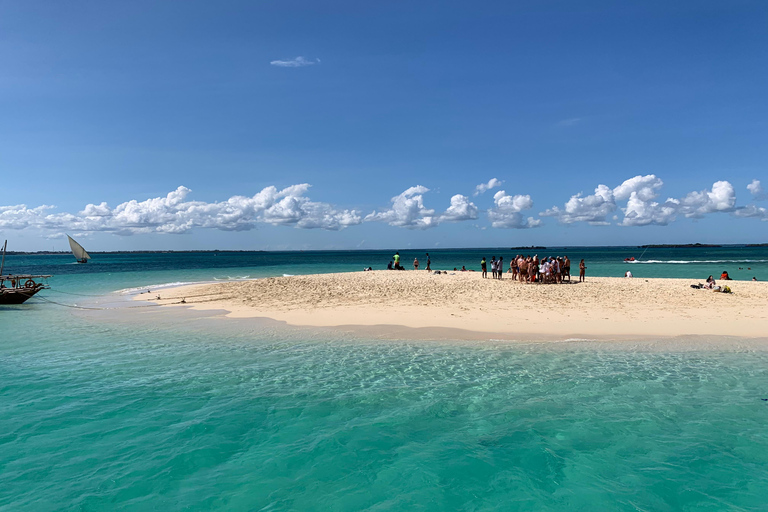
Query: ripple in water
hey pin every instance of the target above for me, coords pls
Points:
(106, 417)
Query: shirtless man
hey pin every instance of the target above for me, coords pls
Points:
(567, 268)
(522, 267)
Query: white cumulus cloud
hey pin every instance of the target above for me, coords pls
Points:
(507, 211)
(644, 187)
(298, 62)
(483, 187)
(642, 208)
(593, 208)
(720, 198)
(461, 208)
(173, 213)
(753, 211)
(407, 211)
(756, 189)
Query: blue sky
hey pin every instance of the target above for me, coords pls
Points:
(321, 125)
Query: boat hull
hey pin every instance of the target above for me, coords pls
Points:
(16, 295)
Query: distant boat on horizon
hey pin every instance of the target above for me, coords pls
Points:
(81, 255)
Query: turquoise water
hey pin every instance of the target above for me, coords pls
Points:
(140, 410)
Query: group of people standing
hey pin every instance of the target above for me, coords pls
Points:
(497, 268)
(529, 269)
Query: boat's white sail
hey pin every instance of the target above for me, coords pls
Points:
(78, 250)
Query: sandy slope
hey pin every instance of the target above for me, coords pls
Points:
(598, 307)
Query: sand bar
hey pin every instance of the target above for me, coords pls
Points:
(464, 300)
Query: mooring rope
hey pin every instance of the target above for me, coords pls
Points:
(75, 306)
(77, 294)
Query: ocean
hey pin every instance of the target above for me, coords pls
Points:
(131, 409)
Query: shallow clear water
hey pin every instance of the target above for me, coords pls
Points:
(104, 411)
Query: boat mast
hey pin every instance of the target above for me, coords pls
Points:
(3, 262)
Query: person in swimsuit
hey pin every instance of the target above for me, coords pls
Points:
(429, 263)
(415, 263)
(582, 271)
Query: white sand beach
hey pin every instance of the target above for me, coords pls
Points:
(466, 301)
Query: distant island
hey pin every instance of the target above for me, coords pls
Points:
(537, 247)
(677, 246)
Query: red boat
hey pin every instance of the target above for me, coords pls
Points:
(630, 259)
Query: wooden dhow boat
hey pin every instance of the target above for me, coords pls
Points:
(17, 288)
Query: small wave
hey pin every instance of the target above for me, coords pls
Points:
(231, 278)
(288, 275)
(684, 262)
(129, 291)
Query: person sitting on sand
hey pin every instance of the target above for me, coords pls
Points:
(628, 273)
(389, 265)
(754, 278)
(582, 271)
(463, 268)
(415, 264)
(483, 267)
(725, 277)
